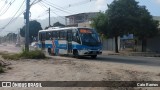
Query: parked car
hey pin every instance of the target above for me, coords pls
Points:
(18, 45)
(34, 44)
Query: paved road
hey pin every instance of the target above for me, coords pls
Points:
(134, 60)
(149, 61)
(137, 60)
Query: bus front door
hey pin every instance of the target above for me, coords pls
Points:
(43, 40)
(69, 41)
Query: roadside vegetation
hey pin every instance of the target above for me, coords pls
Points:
(1, 66)
(34, 54)
(1, 69)
(124, 17)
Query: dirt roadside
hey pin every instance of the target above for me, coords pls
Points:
(70, 69)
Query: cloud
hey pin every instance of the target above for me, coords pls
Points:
(101, 4)
(158, 1)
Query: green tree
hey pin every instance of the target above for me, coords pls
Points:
(126, 16)
(100, 23)
(58, 24)
(34, 27)
(146, 28)
(12, 37)
(122, 18)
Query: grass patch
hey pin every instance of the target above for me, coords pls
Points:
(34, 54)
(2, 53)
(11, 56)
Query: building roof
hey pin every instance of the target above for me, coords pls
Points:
(58, 29)
(81, 14)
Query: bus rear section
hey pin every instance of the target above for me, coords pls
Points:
(72, 40)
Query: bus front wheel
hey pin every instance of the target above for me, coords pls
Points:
(94, 56)
(75, 54)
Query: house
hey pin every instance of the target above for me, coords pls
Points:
(80, 20)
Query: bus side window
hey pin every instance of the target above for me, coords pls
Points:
(54, 35)
(40, 36)
(43, 36)
(48, 35)
(65, 35)
(62, 35)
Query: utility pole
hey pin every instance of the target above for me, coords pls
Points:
(49, 18)
(27, 26)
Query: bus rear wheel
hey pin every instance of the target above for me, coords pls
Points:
(94, 56)
(49, 51)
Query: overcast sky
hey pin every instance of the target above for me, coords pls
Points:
(67, 7)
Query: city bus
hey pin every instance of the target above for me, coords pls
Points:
(70, 40)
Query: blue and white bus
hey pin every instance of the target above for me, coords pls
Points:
(70, 40)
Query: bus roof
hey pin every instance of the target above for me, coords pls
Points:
(57, 29)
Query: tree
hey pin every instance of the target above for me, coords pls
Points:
(100, 23)
(57, 24)
(126, 16)
(12, 37)
(34, 27)
(122, 20)
(146, 28)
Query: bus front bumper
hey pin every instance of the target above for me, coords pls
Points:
(85, 52)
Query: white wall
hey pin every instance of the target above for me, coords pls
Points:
(109, 44)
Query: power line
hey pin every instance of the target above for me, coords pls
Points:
(51, 10)
(34, 2)
(13, 16)
(3, 5)
(43, 6)
(57, 14)
(9, 5)
(14, 19)
(57, 8)
(77, 4)
(42, 14)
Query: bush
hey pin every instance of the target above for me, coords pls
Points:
(11, 56)
(34, 54)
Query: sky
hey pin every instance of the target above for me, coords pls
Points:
(66, 7)
(60, 8)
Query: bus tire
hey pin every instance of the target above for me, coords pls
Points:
(75, 54)
(94, 56)
(49, 51)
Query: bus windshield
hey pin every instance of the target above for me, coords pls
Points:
(89, 37)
